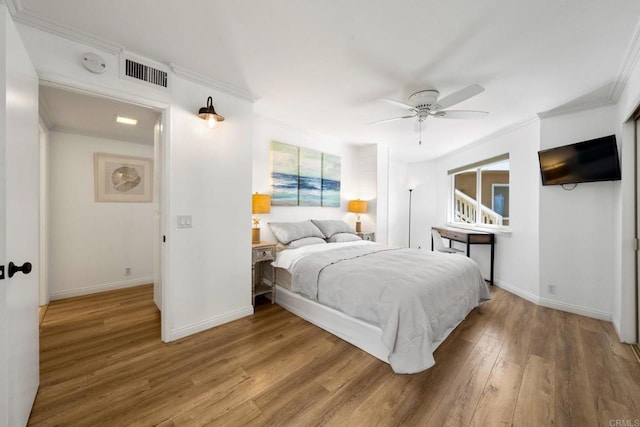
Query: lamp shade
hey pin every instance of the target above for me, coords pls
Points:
(209, 114)
(260, 203)
(358, 206)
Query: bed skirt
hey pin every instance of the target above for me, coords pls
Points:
(363, 335)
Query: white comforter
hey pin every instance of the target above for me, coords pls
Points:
(414, 296)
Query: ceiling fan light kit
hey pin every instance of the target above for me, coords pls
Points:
(425, 103)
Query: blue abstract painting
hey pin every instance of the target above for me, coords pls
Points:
(284, 174)
(310, 178)
(303, 177)
(330, 180)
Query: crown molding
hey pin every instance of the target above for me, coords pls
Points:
(631, 57)
(13, 5)
(212, 83)
(26, 17)
(630, 61)
(561, 111)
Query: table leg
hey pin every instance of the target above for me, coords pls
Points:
(492, 251)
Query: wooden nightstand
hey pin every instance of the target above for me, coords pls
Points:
(260, 253)
(371, 236)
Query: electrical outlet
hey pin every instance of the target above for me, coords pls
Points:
(127, 271)
(551, 289)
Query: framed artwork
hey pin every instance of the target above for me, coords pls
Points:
(123, 178)
(284, 174)
(303, 177)
(330, 180)
(309, 177)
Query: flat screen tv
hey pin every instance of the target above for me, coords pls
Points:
(587, 161)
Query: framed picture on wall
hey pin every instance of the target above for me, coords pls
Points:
(123, 178)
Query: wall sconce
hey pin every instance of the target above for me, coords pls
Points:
(209, 114)
(260, 204)
(358, 207)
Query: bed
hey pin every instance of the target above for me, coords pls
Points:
(397, 304)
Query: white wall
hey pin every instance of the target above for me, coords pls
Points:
(577, 228)
(421, 177)
(91, 243)
(207, 277)
(381, 175)
(210, 179)
(516, 254)
(398, 223)
(267, 130)
(366, 188)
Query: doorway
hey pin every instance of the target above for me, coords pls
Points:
(94, 147)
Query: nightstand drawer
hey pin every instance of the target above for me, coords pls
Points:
(263, 254)
(367, 236)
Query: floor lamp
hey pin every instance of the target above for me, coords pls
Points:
(410, 193)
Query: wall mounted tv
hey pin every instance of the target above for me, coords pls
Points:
(587, 161)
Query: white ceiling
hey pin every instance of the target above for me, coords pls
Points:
(323, 66)
(75, 112)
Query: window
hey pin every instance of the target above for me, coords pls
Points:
(481, 193)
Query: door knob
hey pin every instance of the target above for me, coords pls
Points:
(13, 269)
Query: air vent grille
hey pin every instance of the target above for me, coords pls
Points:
(156, 75)
(145, 73)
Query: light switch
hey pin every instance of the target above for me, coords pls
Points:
(184, 221)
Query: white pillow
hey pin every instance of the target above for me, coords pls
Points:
(329, 227)
(287, 232)
(306, 241)
(343, 237)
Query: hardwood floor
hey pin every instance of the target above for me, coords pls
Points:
(509, 363)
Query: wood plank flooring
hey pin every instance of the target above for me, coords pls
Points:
(509, 363)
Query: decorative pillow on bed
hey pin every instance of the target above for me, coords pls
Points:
(305, 241)
(329, 227)
(343, 237)
(287, 232)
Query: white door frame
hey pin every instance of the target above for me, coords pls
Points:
(636, 188)
(43, 140)
(165, 112)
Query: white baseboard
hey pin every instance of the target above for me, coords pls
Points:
(100, 288)
(557, 305)
(519, 292)
(209, 323)
(575, 309)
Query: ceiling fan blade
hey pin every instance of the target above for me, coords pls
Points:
(390, 120)
(398, 103)
(456, 97)
(459, 114)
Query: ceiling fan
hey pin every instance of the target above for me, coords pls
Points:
(425, 103)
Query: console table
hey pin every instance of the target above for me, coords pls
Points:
(468, 237)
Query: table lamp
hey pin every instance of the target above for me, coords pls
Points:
(358, 207)
(260, 204)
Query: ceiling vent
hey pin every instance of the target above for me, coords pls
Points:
(143, 70)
